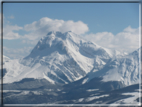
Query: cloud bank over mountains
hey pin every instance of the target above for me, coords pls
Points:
(46, 24)
(127, 40)
(39, 28)
(9, 32)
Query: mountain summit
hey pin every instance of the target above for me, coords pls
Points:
(59, 57)
(62, 58)
(66, 56)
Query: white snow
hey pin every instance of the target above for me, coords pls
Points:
(47, 78)
(84, 81)
(95, 97)
(90, 90)
(49, 56)
(69, 55)
(124, 69)
(80, 100)
(49, 89)
(24, 92)
(11, 91)
(112, 75)
(37, 92)
(130, 100)
(139, 90)
(58, 90)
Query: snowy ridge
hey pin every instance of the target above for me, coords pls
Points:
(67, 57)
(130, 100)
(124, 69)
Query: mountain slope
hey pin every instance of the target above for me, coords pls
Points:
(125, 69)
(66, 57)
(59, 57)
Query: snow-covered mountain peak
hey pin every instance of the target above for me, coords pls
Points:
(62, 58)
(69, 43)
(59, 34)
(57, 41)
(136, 54)
(53, 38)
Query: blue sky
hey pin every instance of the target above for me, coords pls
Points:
(95, 20)
(98, 16)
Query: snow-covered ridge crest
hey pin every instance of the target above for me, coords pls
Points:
(125, 69)
(69, 44)
(60, 58)
(52, 38)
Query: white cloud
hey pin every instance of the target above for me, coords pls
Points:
(8, 32)
(11, 17)
(16, 53)
(30, 42)
(44, 25)
(127, 40)
(102, 38)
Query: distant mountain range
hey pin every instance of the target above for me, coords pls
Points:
(68, 62)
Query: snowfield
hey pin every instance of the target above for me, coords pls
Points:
(130, 100)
